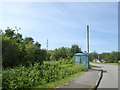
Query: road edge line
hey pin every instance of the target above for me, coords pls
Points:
(99, 80)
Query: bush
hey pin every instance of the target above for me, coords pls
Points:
(34, 75)
(21, 77)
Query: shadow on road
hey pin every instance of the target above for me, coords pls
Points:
(96, 66)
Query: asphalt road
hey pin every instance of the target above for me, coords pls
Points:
(87, 80)
(90, 78)
(110, 78)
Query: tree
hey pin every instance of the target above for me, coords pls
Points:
(18, 38)
(10, 52)
(28, 40)
(38, 45)
(93, 56)
(75, 49)
(9, 33)
(118, 55)
(63, 52)
(68, 51)
(19, 51)
(113, 57)
(105, 56)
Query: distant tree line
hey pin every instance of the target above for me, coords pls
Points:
(17, 50)
(112, 57)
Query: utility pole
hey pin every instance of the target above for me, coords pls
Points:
(88, 39)
(88, 45)
(47, 45)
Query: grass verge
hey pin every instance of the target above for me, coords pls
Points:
(91, 66)
(111, 63)
(119, 63)
(60, 82)
(106, 63)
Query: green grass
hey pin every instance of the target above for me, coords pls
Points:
(119, 63)
(60, 82)
(111, 63)
(106, 63)
(91, 66)
(96, 62)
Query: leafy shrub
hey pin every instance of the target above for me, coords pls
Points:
(21, 77)
(34, 75)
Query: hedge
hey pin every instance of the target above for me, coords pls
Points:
(34, 75)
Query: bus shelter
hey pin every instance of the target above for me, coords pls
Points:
(81, 58)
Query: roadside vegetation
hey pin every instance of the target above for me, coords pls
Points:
(119, 63)
(39, 75)
(112, 57)
(105, 63)
(17, 50)
(26, 65)
(60, 82)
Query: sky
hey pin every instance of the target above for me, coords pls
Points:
(64, 23)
